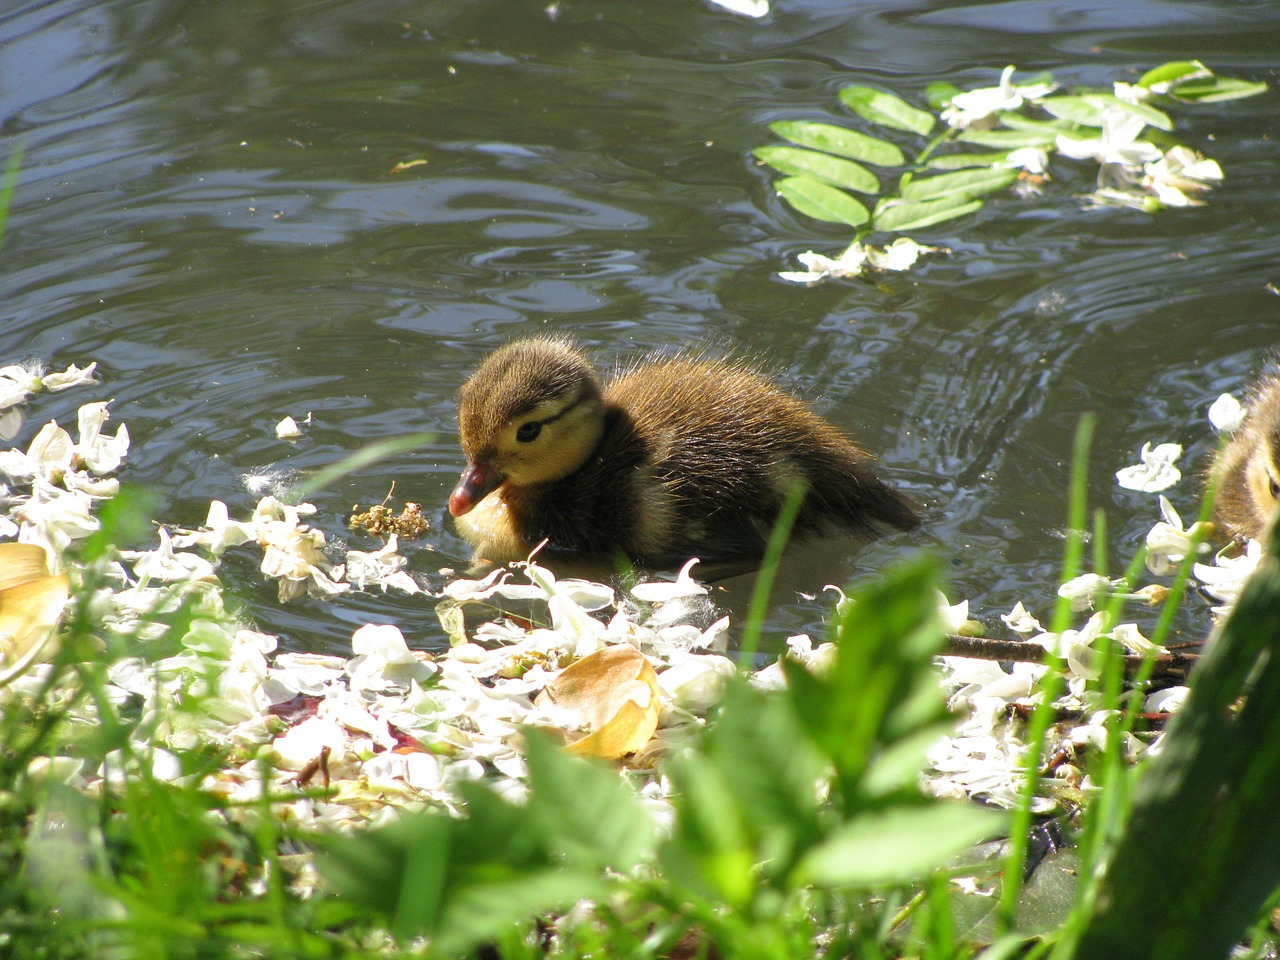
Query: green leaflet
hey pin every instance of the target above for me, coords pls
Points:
(966, 183)
(835, 171)
(822, 202)
(1008, 139)
(962, 161)
(940, 94)
(1216, 90)
(1090, 108)
(839, 140)
(899, 215)
(1173, 72)
(886, 110)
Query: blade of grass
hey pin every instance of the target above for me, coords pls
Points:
(373, 453)
(7, 186)
(1042, 717)
(759, 605)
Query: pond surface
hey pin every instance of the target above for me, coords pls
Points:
(207, 207)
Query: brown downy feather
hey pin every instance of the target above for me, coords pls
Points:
(1247, 470)
(675, 458)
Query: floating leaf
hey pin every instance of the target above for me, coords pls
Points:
(822, 202)
(1008, 139)
(839, 140)
(821, 166)
(962, 161)
(1172, 73)
(912, 214)
(968, 183)
(1217, 89)
(31, 601)
(1086, 111)
(1089, 110)
(886, 109)
(1155, 118)
(1016, 121)
(614, 691)
(939, 94)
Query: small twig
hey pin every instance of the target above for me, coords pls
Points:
(1165, 666)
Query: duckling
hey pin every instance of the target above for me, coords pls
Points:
(1247, 469)
(672, 458)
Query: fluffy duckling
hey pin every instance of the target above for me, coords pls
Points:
(1247, 469)
(672, 458)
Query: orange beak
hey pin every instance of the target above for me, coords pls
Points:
(473, 486)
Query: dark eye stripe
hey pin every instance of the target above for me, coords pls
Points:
(556, 416)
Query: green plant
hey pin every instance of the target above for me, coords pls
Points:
(1003, 134)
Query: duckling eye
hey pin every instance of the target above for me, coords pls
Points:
(528, 432)
(1274, 486)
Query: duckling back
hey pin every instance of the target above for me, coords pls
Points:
(725, 449)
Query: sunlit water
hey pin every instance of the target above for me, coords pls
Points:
(206, 207)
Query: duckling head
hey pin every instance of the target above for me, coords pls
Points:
(532, 413)
(1248, 468)
(1262, 476)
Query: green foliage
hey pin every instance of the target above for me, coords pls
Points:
(151, 867)
(465, 881)
(754, 854)
(1011, 117)
(1214, 782)
(795, 819)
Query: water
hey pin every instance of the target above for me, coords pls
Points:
(207, 208)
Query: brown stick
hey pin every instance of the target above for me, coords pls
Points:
(1165, 666)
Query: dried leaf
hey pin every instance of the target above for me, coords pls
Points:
(614, 691)
(31, 600)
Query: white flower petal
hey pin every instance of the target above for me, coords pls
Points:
(747, 8)
(1156, 472)
(73, 376)
(1226, 413)
(287, 429)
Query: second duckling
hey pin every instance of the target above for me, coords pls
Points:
(672, 458)
(1247, 470)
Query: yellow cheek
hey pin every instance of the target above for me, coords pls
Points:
(1260, 486)
(489, 529)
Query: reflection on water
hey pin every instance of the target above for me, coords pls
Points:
(207, 207)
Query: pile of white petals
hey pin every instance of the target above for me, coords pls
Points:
(391, 727)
